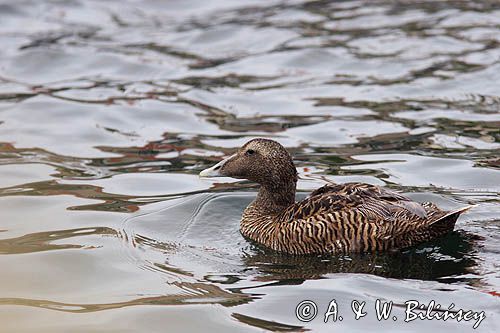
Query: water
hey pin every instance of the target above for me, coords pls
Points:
(108, 110)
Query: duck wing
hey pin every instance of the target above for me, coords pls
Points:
(374, 202)
(355, 217)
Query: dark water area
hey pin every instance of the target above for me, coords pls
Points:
(110, 109)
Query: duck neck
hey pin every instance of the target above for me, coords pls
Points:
(272, 200)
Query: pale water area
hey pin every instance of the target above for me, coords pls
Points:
(110, 109)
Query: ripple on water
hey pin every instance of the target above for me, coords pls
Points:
(108, 111)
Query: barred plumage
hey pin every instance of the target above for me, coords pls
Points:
(336, 218)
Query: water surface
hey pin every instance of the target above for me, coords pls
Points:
(108, 111)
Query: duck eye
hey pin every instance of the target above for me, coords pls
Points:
(249, 152)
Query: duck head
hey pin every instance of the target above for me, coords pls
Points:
(260, 160)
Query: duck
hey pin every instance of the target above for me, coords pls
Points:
(333, 219)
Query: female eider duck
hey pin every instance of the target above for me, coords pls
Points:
(336, 218)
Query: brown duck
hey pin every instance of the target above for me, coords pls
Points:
(336, 218)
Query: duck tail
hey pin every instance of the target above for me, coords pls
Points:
(451, 216)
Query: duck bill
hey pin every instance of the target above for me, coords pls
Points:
(214, 171)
